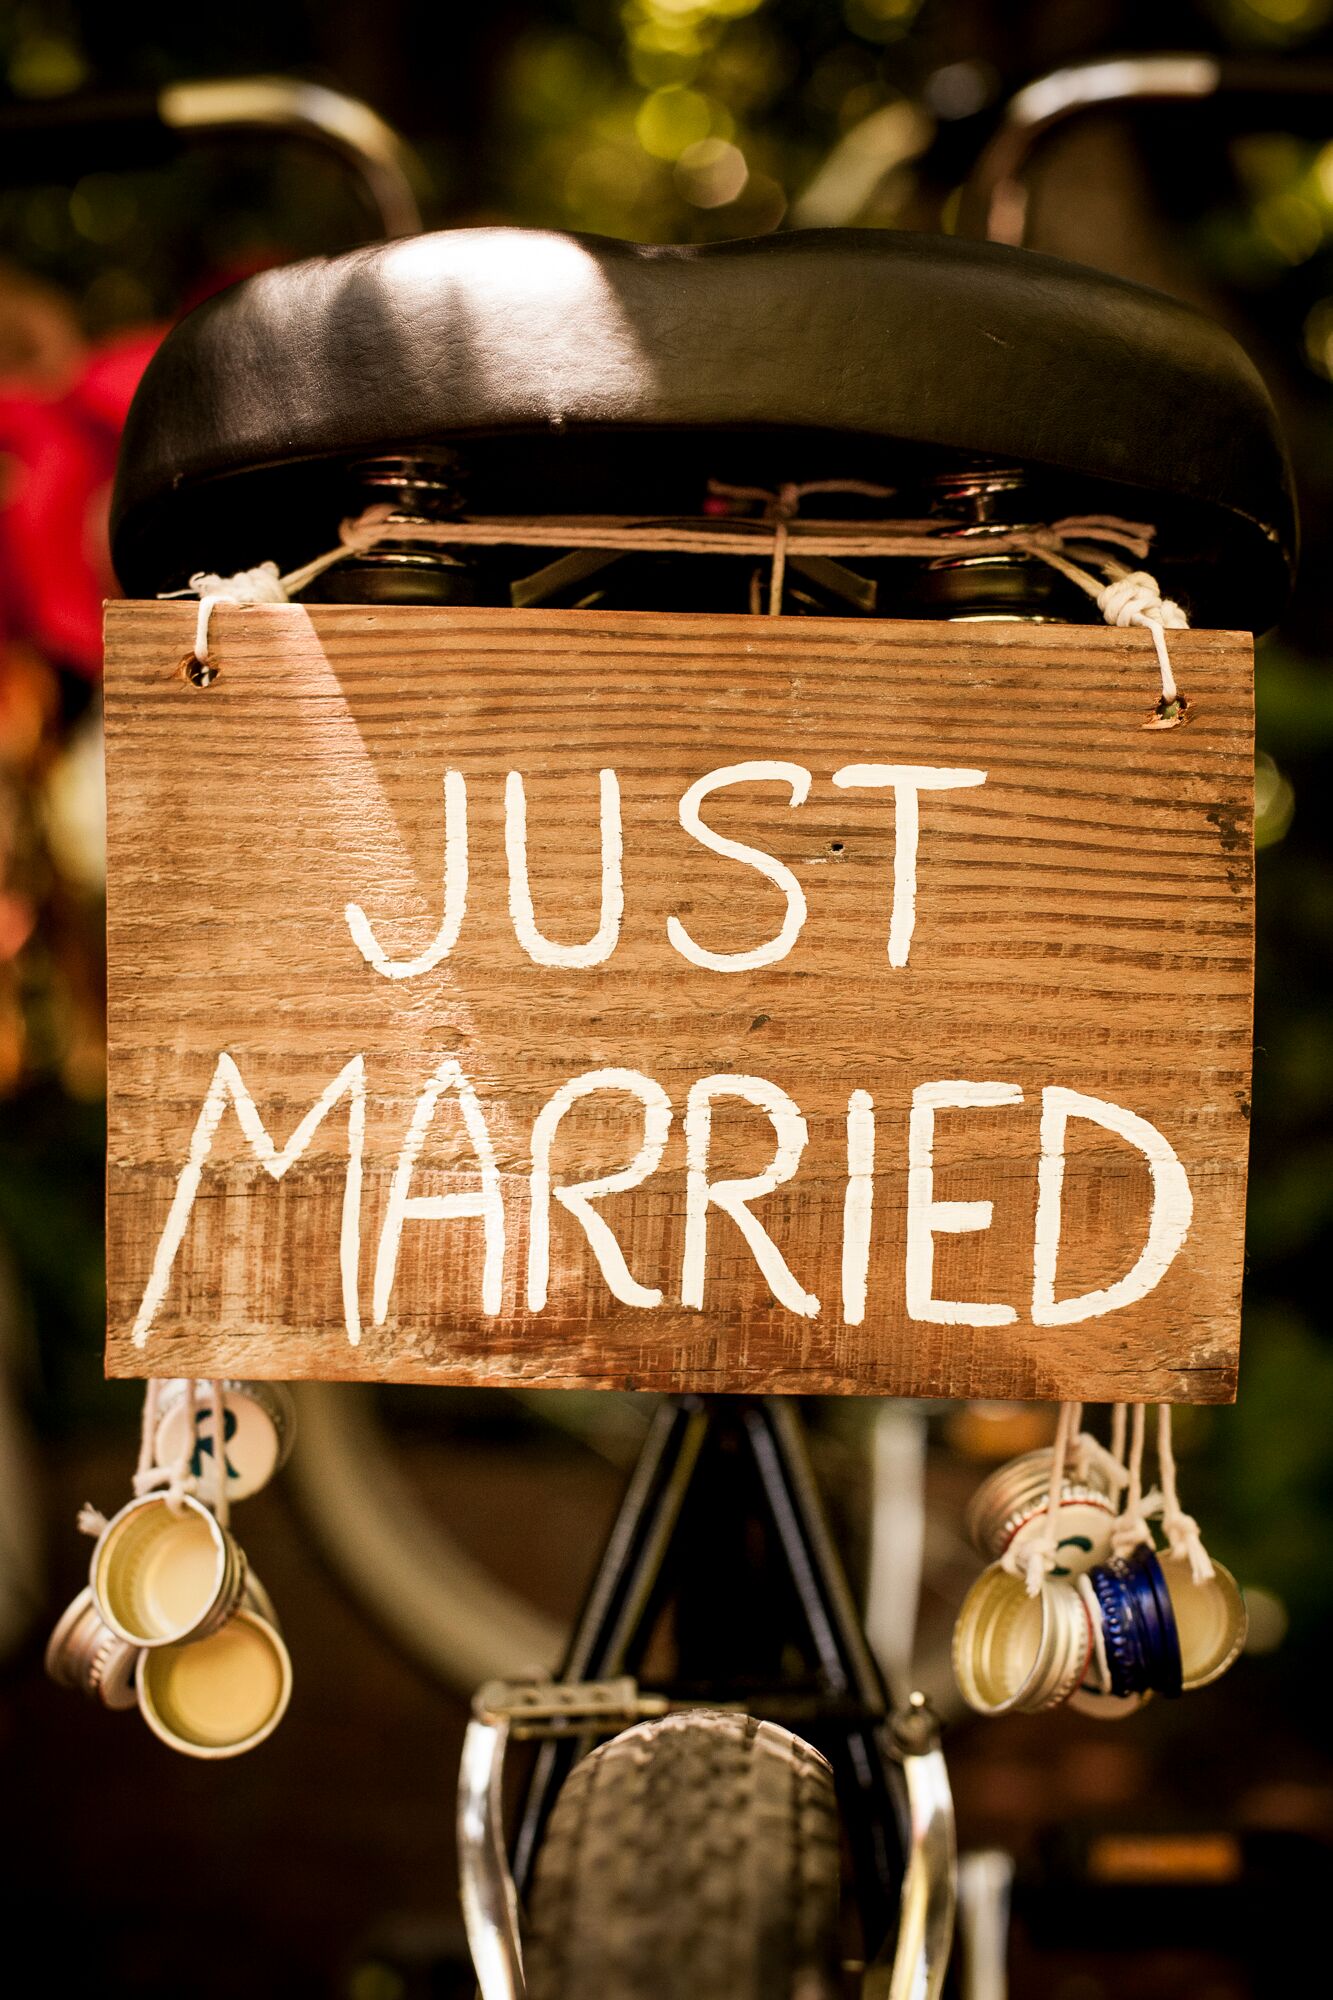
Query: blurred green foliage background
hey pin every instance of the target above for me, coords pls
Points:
(686, 120)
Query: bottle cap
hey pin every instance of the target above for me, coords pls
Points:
(163, 1574)
(1138, 1624)
(1008, 1509)
(1210, 1618)
(1084, 1519)
(1107, 1707)
(259, 1421)
(256, 1598)
(219, 1696)
(1012, 1651)
(84, 1653)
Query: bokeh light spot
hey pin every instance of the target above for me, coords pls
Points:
(672, 119)
(711, 173)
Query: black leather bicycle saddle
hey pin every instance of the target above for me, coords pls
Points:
(581, 374)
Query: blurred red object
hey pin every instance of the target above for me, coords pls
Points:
(62, 406)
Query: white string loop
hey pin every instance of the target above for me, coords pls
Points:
(264, 584)
(261, 585)
(1090, 1453)
(1135, 599)
(1083, 1584)
(1130, 1529)
(1181, 1529)
(1035, 1561)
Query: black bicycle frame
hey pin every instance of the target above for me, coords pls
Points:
(842, 1706)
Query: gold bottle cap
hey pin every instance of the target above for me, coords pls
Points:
(1015, 1652)
(1018, 1490)
(220, 1696)
(1211, 1619)
(162, 1574)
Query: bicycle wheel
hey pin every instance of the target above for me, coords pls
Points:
(693, 1858)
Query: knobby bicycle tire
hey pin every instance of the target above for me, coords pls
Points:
(692, 1858)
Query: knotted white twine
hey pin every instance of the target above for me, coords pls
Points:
(1181, 1529)
(264, 585)
(1130, 1529)
(1131, 597)
(148, 1474)
(176, 1479)
(1038, 1558)
(1124, 597)
(1135, 599)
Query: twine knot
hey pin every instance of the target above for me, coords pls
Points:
(1137, 599)
(362, 531)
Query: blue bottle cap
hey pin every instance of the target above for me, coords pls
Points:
(1161, 1637)
(1138, 1624)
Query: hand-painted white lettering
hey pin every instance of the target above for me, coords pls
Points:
(577, 1196)
(732, 1196)
(604, 940)
(906, 781)
(228, 1083)
(485, 1203)
(927, 1218)
(798, 778)
(1168, 1222)
(455, 896)
(857, 1205)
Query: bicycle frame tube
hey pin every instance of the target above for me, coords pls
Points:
(996, 193)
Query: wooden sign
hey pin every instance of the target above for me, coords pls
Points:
(677, 1002)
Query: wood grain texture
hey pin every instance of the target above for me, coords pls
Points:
(1083, 920)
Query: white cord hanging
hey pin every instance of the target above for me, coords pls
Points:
(1181, 1529)
(781, 506)
(264, 585)
(1131, 597)
(1035, 1561)
(1130, 1529)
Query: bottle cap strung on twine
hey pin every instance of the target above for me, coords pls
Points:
(175, 1480)
(258, 1428)
(1181, 1529)
(1131, 1530)
(1034, 1557)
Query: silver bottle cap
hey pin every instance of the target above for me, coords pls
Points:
(259, 1422)
(1015, 1495)
(85, 1654)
